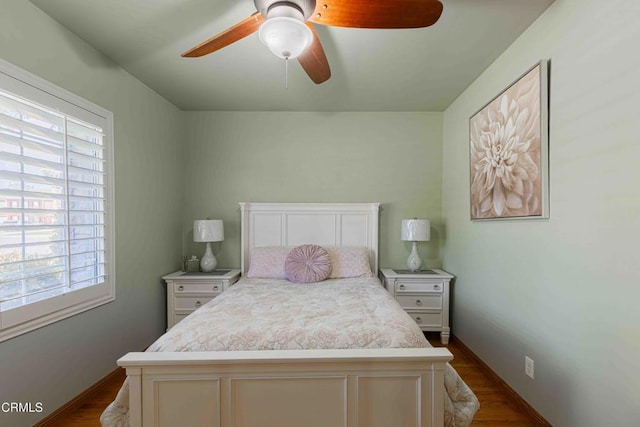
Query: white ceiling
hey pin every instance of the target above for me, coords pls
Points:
(372, 70)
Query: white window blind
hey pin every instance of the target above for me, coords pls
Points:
(55, 196)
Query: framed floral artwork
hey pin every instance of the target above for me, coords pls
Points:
(509, 151)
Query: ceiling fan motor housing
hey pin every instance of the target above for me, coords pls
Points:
(289, 8)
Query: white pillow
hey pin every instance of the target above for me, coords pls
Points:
(349, 261)
(267, 262)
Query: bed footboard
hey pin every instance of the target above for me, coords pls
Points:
(291, 388)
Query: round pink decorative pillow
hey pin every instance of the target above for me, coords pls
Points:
(307, 263)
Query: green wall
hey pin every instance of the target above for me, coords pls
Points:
(563, 291)
(55, 363)
(391, 158)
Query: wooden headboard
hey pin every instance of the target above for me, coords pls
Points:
(324, 224)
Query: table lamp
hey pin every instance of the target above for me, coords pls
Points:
(415, 230)
(208, 230)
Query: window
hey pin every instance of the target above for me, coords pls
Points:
(56, 203)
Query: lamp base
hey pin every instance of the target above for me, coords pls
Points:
(208, 261)
(414, 262)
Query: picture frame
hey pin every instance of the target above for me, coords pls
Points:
(509, 151)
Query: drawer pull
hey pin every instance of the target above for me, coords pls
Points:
(418, 319)
(436, 287)
(198, 303)
(215, 287)
(418, 302)
(181, 288)
(401, 286)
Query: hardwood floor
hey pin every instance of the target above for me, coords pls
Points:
(87, 412)
(497, 408)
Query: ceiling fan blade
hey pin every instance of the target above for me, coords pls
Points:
(377, 13)
(239, 31)
(314, 61)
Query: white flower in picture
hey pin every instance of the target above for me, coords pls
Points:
(505, 153)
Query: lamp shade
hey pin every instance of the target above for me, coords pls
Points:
(208, 230)
(416, 230)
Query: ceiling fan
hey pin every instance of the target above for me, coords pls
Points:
(286, 27)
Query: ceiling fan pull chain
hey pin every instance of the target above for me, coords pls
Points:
(286, 73)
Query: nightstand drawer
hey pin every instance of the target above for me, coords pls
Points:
(188, 291)
(197, 287)
(424, 295)
(190, 303)
(426, 319)
(179, 316)
(418, 302)
(419, 286)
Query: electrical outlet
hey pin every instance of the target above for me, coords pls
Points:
(528, 366)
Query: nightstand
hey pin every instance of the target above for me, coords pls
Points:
(424, 296)
(186, 292)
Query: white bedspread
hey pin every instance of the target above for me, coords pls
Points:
(259, 314)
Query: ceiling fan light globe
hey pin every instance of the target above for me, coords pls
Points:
(285, 37)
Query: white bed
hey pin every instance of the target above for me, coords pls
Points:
(257, 356)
